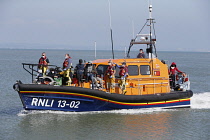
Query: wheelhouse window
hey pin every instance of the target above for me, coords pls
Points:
(145, 70)
(117, 72)
(101, 69)
(133, 70)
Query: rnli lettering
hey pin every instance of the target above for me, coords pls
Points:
(42, 102)
(50, 102)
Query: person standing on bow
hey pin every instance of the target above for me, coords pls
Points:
(141, 54)
(67, 69)
(172, 72)
(110, 73)
(123, 73)
(43, 63)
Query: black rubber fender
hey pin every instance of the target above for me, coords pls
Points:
(16, 87)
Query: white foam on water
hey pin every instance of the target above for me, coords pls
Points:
(200, 101)
(31, 112)
(121, 111)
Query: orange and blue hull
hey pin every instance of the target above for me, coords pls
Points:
(63, 98)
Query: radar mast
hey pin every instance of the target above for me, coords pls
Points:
(147, 39)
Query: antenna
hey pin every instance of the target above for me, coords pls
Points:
(150, 11)
(146, 38)
(125, 52)
(133, 28)
(110, 23)
(95, 49)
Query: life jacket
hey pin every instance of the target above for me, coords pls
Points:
(66, 62)
(43, 61)
(122, 71)
(110, 70)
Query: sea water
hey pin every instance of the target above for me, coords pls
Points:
(158, 124)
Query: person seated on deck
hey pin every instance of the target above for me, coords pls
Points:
(98, 82)
(141, 54)
(110, 77)
(123, 73)
(79, 69)
(54, 73)
(45, 79)
(90, 72)
(172, 74)
(39, 77)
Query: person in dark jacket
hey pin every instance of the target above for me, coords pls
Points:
(79, 69)
(90, 72)
(141, 54)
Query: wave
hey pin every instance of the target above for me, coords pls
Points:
(200, 101)
(122, 111)
(33, 112)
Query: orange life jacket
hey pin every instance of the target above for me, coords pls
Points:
(66, 62)
(122, 71)
(43, 61)
(110, 70)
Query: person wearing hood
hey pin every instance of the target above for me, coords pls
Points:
(172, 72)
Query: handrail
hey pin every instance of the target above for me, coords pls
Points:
(37, 64)
(31, 67)
(153, 83)
(149, 78)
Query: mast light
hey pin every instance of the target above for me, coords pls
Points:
(150, 8)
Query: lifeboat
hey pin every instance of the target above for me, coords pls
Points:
(146, 84)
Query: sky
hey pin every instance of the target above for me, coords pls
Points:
(181, 25)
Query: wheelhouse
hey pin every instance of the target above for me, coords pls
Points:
(145, 76)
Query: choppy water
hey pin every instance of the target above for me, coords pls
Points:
(176, 124)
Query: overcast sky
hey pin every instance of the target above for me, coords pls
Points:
(181, 25)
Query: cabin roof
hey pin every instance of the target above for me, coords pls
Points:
(127, 60)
